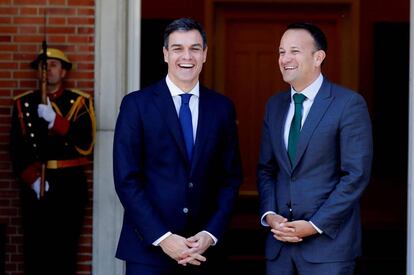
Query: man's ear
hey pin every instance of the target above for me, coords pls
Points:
(63, 73)
(165, 52)
(319, 57)
(205, 54)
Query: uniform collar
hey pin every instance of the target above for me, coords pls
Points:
(57, 94)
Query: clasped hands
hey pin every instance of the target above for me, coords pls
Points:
(187, 250)
(286, 231)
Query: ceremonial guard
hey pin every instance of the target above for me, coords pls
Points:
(51, 142)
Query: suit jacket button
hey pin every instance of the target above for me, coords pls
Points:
(293, 178)
(185, 210)
(190, 185)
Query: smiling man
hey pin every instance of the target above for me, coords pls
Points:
(177, 166)
(315, 161)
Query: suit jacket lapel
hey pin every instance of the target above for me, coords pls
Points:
(205, 113)
(278, 129)
(165, 104)
(322, 101)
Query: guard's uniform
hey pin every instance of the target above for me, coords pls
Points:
(52, 225)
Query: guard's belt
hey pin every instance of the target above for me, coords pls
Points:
(57, 164)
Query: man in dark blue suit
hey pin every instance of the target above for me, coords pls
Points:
(315, 161)
(177, 166)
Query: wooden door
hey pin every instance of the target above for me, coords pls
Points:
(246, 62)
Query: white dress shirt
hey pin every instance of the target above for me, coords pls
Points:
(310, 93)
(193, 104)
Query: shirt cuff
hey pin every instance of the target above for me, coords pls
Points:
(212, 236)
(160, 239)
(263, 218)
(316, 228)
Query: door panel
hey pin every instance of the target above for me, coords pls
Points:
(246, 55)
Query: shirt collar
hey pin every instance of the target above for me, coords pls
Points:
(310, 91)
(175, 91)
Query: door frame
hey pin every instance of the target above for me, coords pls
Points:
(214, 25)
(221, 13)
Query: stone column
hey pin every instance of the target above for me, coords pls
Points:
(117, 52)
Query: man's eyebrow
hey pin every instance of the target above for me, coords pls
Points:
(193, 45)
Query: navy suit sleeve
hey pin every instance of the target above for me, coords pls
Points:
(267, 168)
(355, 146)
(231, 173)
(128, 166)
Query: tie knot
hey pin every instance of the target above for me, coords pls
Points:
(298, 98)
(185, 98)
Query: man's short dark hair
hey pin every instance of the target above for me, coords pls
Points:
(319, 37)
(184, 24)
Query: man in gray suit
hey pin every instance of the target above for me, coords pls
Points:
(315, 161)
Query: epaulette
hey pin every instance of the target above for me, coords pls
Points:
(79, 92)
(23, 94)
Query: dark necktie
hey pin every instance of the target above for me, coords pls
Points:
(186, 124)
(295, 127)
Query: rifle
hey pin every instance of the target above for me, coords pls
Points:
(43, 91)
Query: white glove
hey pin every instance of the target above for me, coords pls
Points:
(36, 187)
(46, 112)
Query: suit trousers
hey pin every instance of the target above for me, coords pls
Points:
(52, 226)
(291, 262)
